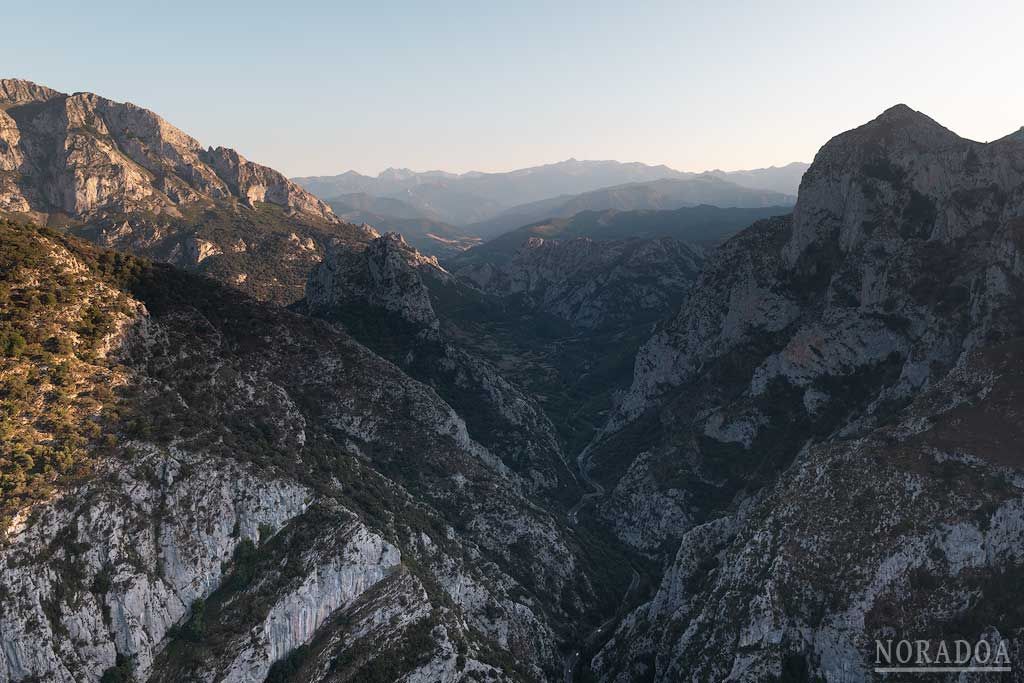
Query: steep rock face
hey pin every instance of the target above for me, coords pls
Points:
(808, 575)
(257, 183)
(17, 91)
(84, 154)
(395, 425)
(261, 490)
(10, 160)
(905, 176)
(816, 364)
(922, 271)
(124, 177)
(395, 611)
(593, 283)
(330, 573)
(387, 274)
(400, 427)
(734, 298)
(91, 575)
(392, 278)
(365, 559)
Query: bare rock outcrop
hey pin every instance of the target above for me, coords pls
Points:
(82, 154)
(122, 176)
(809, 407)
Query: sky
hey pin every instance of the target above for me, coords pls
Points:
(317, 88)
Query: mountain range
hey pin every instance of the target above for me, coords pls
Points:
(639, 445)
(699, 225)
(484, 205)
(664, 194)
(527, 185)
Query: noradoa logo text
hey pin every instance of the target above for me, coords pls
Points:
(941, 656)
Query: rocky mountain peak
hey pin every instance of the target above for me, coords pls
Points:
(893, 288)
(121, 175)
(901, 112)
(899, 130)
(387, 274)
(393, 244)
(883, 212)
(900, 125)
(83, 154)
(901, 175)
(392, 173)
(394, 240)
(17, 91)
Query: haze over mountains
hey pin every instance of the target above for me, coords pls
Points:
(699, 225)
(454, 211)
(665, 194)
(245, 441)
(532, 184)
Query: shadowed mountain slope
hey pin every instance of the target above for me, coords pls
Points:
(789, 435)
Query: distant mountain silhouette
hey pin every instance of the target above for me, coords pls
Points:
(659, 194)
(475, 197)
(703, 225)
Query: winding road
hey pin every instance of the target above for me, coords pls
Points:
(585, 498)
(569, 668)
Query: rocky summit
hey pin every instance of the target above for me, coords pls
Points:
(804, 435)
(123, 177)
(586, 452)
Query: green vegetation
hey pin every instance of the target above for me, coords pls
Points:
(121, 672)
(283, 670)
(702, 224)
(66, 404)
(55, 394)
(244, 563)
(413, 649)
(574, 375)
(194, 628)
(266, 231)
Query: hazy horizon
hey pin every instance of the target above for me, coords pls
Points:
(547, 163)
(321, 89)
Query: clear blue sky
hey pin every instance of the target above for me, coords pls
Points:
(319, 87)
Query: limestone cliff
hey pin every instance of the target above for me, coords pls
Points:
(254, 489)
(792, 426)
(123, 176)
(82, 154)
